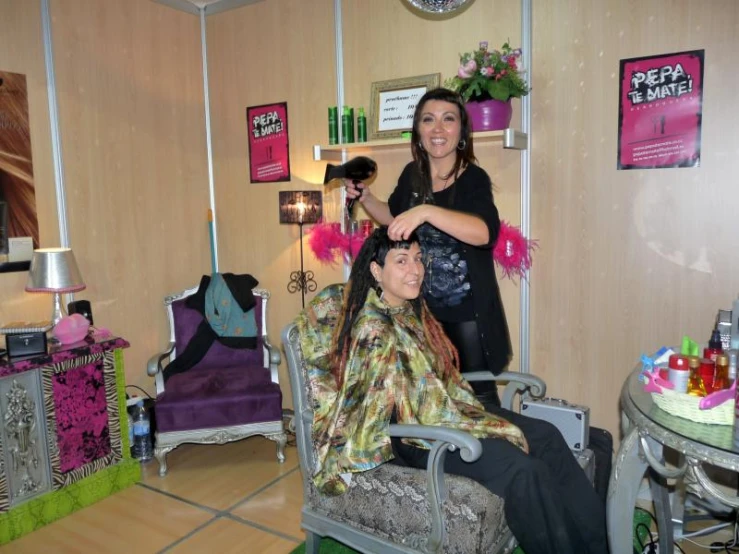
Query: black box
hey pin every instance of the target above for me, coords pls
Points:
(25, 344)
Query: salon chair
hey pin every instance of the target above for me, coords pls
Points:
(396, 509)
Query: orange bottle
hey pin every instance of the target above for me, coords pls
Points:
(721, 377)
(695, 383)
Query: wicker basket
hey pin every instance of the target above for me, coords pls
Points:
(686, 406)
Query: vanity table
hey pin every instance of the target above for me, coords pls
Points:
(650, 430)
(63, 445)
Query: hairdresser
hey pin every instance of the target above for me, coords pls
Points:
(447, 199)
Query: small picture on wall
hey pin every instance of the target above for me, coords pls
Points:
(301, 206)
(18, 216)
(269, 144)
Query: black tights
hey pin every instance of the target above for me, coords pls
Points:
(465, 336)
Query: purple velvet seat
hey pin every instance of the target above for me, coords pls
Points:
(232, 393)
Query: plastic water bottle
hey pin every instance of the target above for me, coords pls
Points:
(141, 448)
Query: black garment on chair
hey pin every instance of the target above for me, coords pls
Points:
(240, 287)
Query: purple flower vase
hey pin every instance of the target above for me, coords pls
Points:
(489, 115)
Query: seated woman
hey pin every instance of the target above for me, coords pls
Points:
(389, 360)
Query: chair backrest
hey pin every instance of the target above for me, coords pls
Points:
(302, 400)
(184, 321)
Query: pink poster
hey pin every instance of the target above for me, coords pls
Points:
(269, 146)
(660, 110)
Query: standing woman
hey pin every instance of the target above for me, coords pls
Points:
(447, 199)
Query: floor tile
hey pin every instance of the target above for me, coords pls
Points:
(135, 519)
(226, 536)
(219, 476)
(277, 507)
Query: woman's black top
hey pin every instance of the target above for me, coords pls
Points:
(461, 278)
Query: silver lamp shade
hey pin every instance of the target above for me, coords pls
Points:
(438, 6)
(54, 270)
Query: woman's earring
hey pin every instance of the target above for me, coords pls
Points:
(462, 144)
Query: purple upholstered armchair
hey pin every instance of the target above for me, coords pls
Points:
(229, 395)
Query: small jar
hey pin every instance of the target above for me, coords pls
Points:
(721, 375)
(679, 372)
(695, 383)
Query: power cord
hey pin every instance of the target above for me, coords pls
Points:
(142, 390)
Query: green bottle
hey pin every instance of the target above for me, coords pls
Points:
(333, 125)
(346, 125)
(361, 126)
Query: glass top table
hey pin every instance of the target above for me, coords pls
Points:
(650, 430)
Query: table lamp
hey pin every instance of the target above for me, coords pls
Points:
(54, 270)
(301, 207)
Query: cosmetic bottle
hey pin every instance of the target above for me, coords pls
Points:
(351, 124)
(721, 376)
(347, 125)
(695, 383)
(333, 125)
(361, 126)
(679, 372)
(714, 347)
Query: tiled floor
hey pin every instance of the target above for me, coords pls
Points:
(214, 499)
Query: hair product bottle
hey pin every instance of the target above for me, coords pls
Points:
(361, 126)
(695, 384)
(333, 125)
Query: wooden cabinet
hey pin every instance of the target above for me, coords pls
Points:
(63, 444)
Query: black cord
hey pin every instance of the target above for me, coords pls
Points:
(651, 544)
(650, 514)
(142, 390)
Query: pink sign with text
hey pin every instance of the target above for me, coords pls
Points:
(660, 111)
(269, 145)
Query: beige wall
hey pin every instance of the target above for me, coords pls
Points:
(628, 260)
(22, 51)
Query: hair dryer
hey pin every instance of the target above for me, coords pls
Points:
(360, 168)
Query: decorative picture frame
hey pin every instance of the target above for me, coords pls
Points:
(393, 102)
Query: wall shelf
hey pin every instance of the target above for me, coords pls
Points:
(509, 138)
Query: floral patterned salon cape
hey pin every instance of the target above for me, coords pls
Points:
(390, 366)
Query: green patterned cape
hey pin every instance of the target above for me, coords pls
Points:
(389, 366)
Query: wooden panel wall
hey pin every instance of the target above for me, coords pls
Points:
(22, 51)
(130, 98)
(272, 51)
(628, 260)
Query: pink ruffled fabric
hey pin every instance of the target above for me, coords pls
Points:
(512, 252)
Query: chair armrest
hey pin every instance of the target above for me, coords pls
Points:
(154, 365)
(517, 383)
(445, 439)
(274, 358)
(470, 447)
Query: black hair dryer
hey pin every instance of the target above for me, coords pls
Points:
(360, 168)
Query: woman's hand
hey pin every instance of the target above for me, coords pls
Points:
(356, 190)
(404, 224)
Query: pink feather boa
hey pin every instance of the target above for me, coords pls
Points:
(512, 252)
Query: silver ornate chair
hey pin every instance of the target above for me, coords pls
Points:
(231, 394)
(395, 509)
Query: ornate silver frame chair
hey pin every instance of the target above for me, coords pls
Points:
(395, 509)
(229, 395)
